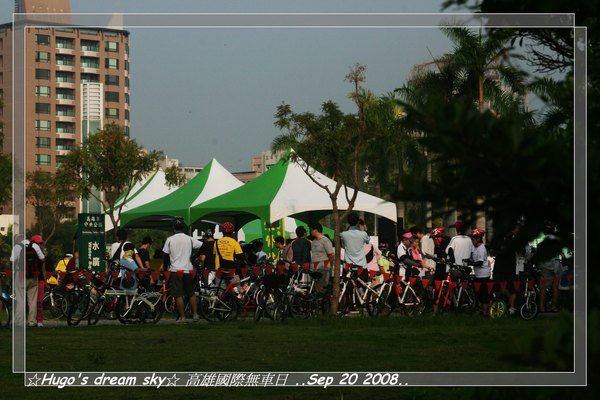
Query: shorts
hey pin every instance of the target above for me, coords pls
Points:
(549, 275)
(482, 295)
(180, 287)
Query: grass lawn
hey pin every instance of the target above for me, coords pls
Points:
(426, 343)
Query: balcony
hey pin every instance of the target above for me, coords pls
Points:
(68, 68)
(65, 50)
(63, 150)
(65, 101)
(90, 70)
(65, 118)
(66, 85)
(65, 135)
(90, 53)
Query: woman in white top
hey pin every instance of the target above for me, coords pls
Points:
(481, 268)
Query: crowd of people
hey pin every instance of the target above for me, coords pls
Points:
(424, 254)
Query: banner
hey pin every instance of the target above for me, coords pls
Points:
(90, 240)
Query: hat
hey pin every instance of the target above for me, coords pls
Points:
(37, 239)
(407, 235)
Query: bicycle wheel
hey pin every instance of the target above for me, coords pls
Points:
(127, 310)
(153, 315)
(529, 310)
(78, 308)
(421, 300)
(497, 308)
(372, 301)
(96, 311)
(52, 305)
(283, 307)
(260, 304)
(228, 307)
(5, 313)
(411, 305)
(169, 305)
(208, 304)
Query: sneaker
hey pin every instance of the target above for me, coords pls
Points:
(512, 311)
(40, 324)
(31, 324)
(180, 321)
(196, 318)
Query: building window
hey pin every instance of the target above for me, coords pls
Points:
(127, 115)
(42, 125)
(112, 113)
(42, 56)
(88, 31)
(90, 78)
(126, 98)
(65, 94)
(90, 45)
(65, 127)
(126, 82)
(111, 63)
(63, 76)
(42, 142)
(64, 43)
(111, 96)
(43, 40)
(42, 74)
(112, 46)
(42, 91)
(126, 65)
(42, 159)
(65, 144)
(42, 108)
(65, 111)
(111, 80)
(90, 62)
(65, 59)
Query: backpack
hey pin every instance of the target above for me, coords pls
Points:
(32, 261)
(369, 255)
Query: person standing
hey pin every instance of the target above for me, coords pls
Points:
(177, 252)
(461, 246)
(322, 251)
(116, 249)
(481, 268)
(144, 252)
(353, 242)
(35, 272)
(227, 250)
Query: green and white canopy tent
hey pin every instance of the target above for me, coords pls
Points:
(282, 191)
(152, 187)
(212, 181)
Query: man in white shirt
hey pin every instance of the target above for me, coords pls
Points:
(461, 246)
(177, 252)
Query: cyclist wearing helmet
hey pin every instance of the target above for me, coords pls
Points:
(177, 252)
(481, 268)
(440, 242)
(227, 250)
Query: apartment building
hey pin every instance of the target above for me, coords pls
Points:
(76, 82)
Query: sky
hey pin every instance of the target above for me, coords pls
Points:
(198, 94)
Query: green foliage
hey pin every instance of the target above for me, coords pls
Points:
(174, 176)
(53, 197)
(5, 163)
(111, 162)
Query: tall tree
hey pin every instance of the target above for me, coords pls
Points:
(52, 198)
(110, 162)
(332, 143)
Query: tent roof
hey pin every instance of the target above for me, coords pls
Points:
(143, 192)
(212, 181)
(286, 190)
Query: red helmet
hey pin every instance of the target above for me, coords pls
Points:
(37, 239)
(478, 233)
(228, 227)
(437, 232)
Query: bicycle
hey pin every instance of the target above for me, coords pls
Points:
(409, 297)
(356, 293)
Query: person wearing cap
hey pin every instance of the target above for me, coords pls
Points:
(177, 252)
(460, 247)
(405, 253)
